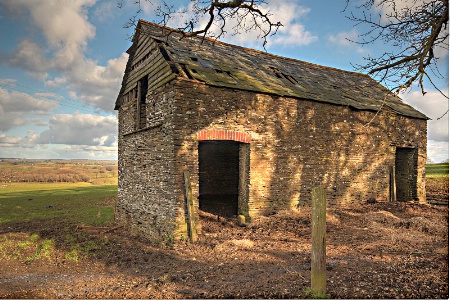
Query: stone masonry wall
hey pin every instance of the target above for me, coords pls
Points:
(146, 198)
(294, 146)
(298, 144)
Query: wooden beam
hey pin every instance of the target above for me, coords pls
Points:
(192, 230)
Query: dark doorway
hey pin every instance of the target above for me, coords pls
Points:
(406, 174)
(219, 177)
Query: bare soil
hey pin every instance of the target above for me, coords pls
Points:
(381, 250)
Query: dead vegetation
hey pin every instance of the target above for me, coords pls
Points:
(437, 190)
(391, 250)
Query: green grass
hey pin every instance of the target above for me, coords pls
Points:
(75, 203)
(437, 170)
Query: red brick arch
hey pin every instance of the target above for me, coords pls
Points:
(223, 135)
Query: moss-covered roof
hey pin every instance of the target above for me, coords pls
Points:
(225, 65)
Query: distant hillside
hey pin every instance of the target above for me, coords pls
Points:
(56, 170)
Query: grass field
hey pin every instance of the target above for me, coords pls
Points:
(437, 170)
(88, 203)
(75, 203)
(73, 191)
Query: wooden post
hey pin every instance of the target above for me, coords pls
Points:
(392, 185)
(192, 231)
(318, 253)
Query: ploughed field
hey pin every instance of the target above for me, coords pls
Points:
(62, 242)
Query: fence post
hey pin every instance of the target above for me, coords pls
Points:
(192, 231)
(392, 185)
(318, 252)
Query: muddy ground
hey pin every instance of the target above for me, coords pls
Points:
(381, 250)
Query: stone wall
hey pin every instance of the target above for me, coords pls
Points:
(299, 144)
(295, 145)
(146, 198)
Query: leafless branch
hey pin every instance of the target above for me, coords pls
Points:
(415, 29)
(247, 15)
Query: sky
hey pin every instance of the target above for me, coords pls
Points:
(62, 63)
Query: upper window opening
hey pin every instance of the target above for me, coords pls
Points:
(194, 58)
(143, 85)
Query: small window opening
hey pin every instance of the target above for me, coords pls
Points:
(194, 58)
(143, 88)
(141, 117)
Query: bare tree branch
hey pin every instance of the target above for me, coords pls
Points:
(247, 15)
(416, 28)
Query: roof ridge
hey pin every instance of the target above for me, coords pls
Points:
(254, 50)
(316, 82)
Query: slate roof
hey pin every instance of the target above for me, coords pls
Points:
(220, 64)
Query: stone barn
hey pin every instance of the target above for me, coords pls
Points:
(256, 132)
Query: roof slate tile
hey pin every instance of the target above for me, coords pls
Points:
(225, 65)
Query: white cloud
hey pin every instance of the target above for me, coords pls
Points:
(437, 151)
(64, 25)
(292, 35)
(7, 81)
(80, 129)
(94, 84)
(387, 7)
(106, 11)
(30, 57)
(347, 39)
(148, 7)
(68, 136)
(16, 107)
(434, 105)
(344, 38)
(22, 142)
(288, 12)
(58, 152)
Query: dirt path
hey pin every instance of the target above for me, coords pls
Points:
(378, 250)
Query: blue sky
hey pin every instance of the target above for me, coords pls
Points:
(62, 62)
